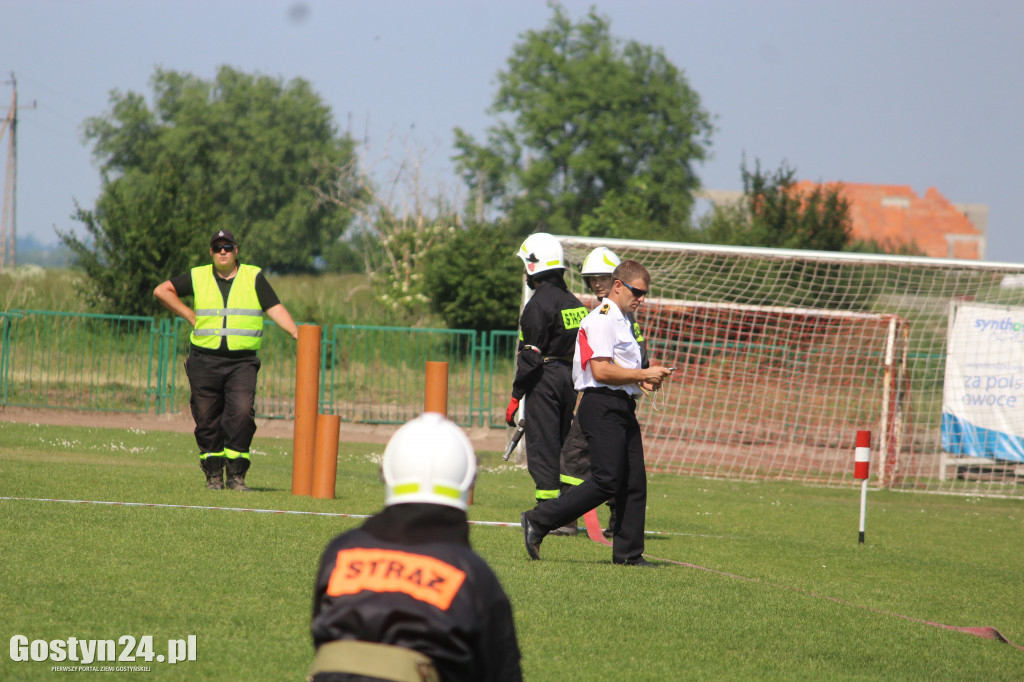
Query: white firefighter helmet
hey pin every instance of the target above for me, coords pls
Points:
(541, 252)
(600, 261)
(429, 459)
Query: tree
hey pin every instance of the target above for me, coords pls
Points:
(248, 149)
(474, 279)
(132, 238)
(774, 213)
(398, 223)
(589, 120)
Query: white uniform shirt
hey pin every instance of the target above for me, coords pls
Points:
(605, 333)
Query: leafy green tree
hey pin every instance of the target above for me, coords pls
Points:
(885, 246)
(350, 255)
(774, 214)
(587, 120)
(134, 235)
(249, 149)
(474, 279)
(398, 223)
(627, 215)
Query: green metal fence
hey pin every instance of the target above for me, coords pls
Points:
(368, 374)
(78, 361)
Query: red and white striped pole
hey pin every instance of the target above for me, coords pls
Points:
(862, 462)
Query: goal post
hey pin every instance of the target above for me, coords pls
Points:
(770, 391)
(784, 355)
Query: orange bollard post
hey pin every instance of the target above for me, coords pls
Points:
(436, 394)
(307, 389)
(325, 456)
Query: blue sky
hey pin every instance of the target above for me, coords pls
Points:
(923, 93)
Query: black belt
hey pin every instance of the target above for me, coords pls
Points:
(615, 392)
(559, 359)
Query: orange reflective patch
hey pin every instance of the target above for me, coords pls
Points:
(421, 577)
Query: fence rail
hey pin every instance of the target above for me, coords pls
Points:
(369, 374)
(375, 375)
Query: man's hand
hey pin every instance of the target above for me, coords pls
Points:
(510, 411)
(653, 376)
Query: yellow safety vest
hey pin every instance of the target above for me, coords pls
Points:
(241, 321)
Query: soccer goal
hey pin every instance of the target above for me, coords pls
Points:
(784, 355)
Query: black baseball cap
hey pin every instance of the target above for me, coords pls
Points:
(222, 236)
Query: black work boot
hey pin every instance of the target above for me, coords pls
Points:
(568, 530)
(213, 467)
(236, 474)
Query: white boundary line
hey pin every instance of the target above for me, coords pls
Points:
(499, 524)
(985, 632)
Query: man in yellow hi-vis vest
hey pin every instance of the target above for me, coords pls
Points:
(227, 330)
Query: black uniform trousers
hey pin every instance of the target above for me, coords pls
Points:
(608, 420)
(575, 457)
(549, 406)
(223, 400)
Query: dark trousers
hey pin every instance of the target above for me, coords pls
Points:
(575, 460)
(548, 415)
(575, 457)
(608, 421)
(223, 400)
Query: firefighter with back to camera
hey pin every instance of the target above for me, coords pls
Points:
(405, 597)
(547, 335)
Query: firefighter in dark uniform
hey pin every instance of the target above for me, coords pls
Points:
(230, 300)
(597, 271)
(547, 335)
(405, 597)
(606, 367)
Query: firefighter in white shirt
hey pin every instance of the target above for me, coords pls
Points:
(607, 368)
(597, 271)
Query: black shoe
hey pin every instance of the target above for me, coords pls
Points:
(531, 536)
(637, 562)
(568, 530)
(608, 533)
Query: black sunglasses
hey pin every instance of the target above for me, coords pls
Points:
(639, 293)
(227, 248)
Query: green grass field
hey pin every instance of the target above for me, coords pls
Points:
(804, 601)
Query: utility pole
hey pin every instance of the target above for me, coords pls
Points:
(8, 215)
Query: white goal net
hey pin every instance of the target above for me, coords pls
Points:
(784, 355)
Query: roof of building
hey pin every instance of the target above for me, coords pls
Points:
(895, 215)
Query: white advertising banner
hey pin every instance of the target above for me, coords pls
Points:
(983, 392)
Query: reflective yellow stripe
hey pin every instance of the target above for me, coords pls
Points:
(446, 491)
(406, 488)
(235, 454)
(221, 312)
(570, 480)
(547, 494)
(228, 332)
